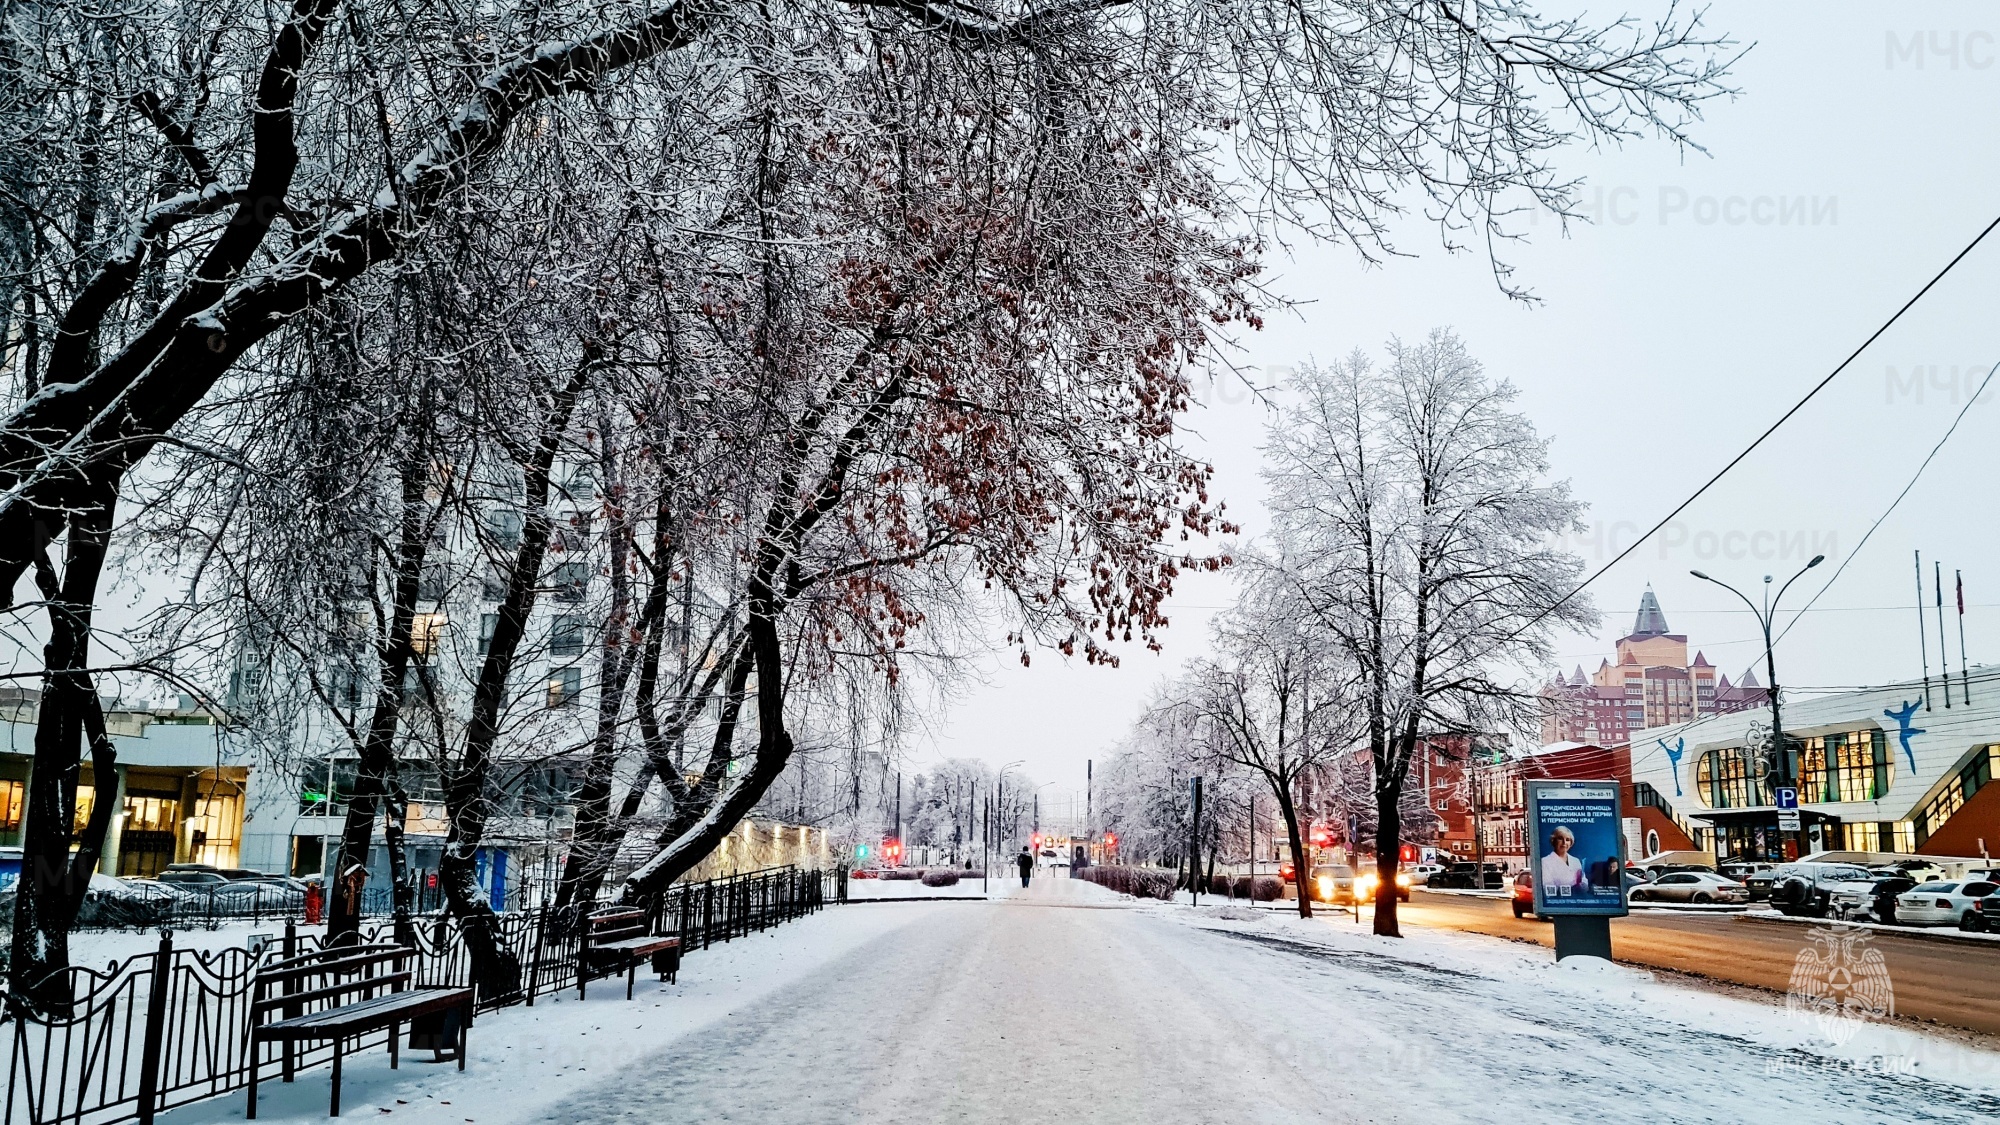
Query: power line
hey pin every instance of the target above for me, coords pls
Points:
(1773, 428)
(1914, 477)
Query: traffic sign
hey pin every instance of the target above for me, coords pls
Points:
(1788, 820)
(1788, 798)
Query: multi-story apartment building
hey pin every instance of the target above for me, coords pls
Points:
(1651, 683)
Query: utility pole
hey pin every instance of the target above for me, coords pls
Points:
(899, 818)
(1779, 750)
(1194, 840)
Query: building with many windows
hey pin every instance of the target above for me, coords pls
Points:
(1898, 768)
(180, 783)
(1651, 682)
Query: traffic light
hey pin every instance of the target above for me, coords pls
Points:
(892, 850)
(1111, 839)
(1321, 837)
(1036, 839)
(861, 851)
(1408, 854)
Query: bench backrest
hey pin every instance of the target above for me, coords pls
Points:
(613, 924)
(329, 974)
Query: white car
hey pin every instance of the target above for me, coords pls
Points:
(1943, 904)
(1691, 886)
(1421, 873)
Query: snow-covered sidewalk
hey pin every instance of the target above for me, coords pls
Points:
(1066, 1002)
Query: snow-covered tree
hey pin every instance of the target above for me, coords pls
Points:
(1412, 516)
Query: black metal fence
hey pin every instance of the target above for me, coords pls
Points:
(167, 1028)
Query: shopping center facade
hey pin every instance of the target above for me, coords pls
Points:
(1903, 768)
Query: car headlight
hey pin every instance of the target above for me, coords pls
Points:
(1402, 880)
(1325, 886)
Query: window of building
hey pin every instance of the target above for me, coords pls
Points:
(1879, 836)
(427, 633)
(503, 526)
(216, 824)
(1723, 779)
(1854, 766)
(488, 624)
(565, 684)
(1972, 777)
(493, 584)
(569, 581)
(12, 794)
(567, 635)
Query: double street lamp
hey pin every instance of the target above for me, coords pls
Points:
(1765, 617)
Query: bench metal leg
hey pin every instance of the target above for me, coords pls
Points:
(631, 976)
(337, 1045)
(464, 1024)
(392, 1047)
(251, 1113)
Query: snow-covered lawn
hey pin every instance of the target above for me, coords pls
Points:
(1066, 1002)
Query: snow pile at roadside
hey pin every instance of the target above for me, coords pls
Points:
(1613, 1014)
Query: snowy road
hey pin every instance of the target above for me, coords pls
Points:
(1071, 1004)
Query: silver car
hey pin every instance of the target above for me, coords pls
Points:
(1691, 886)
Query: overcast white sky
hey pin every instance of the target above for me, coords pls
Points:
(1670, 334)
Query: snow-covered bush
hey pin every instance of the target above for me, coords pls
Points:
(1139, 882)
(942, 877)
(903, 873)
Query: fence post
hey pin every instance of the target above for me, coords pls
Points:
(156, 1023)
(291, 986)
(535, 964)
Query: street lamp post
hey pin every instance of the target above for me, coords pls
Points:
(1764, 618)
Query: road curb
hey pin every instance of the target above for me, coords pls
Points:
(917, 898)
(1920, 933)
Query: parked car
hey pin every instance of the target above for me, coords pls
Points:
(1805, 889)
(1691, 886)
(1758, 883)
(1871, 900)
(1332, 882)
(1920, 870)
(1461, 876)
(1420, 875)
(1944, 904)
(1746, 869)
(191, 878)
(1364, 887)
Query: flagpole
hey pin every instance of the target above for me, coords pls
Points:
(1964, 669)
(1944, 652)
(1923, 642)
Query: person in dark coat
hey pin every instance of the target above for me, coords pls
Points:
(1026, 863)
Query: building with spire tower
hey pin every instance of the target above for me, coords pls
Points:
(1650, 683)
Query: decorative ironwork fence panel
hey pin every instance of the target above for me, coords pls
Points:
(168, 1028)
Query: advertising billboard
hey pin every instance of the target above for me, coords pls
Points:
(1575, 847)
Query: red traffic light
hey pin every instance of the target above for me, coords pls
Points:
(1321, 837)
(1037, 838)
(1408, 853)
(1111, 839)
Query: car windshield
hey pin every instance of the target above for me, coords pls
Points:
(1337, 871)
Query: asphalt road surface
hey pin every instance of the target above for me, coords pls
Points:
(1954, 983)
(1069, 1004)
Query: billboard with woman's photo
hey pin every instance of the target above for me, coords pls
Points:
(1577, 855)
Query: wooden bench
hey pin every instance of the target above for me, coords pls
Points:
(385, 1000)
(615, 940)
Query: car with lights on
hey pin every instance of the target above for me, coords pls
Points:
(1365, 886)
(1332, 882)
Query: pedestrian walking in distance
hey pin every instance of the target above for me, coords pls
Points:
(1026, 863)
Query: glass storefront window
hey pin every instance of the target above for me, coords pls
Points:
(1723, 780)
(12, 795)
(1861, 767)
(216, 825)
